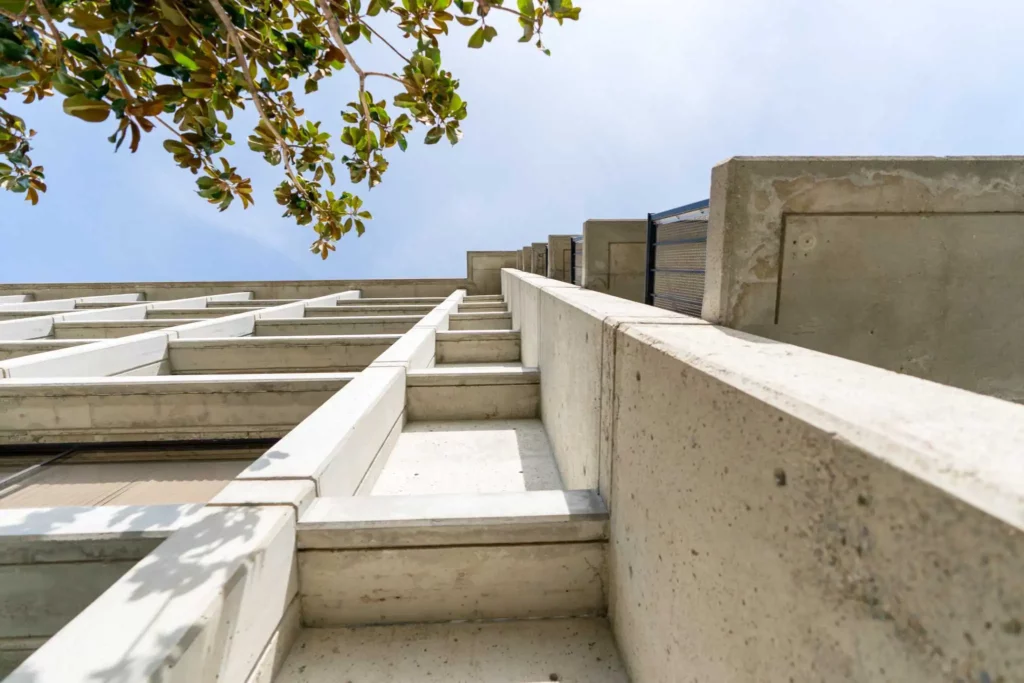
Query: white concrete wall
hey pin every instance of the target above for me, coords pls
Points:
(779, 514)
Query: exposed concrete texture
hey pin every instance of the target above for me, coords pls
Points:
(202, 606)
(615, 254)
(483, 269)
(460, 519)
(274, 655)
(261, 289)
(235, 355)
(110, 329)
(60, 305)
(335, 445)
(481, 321)
(559, 257)
(477, 346)
(540, 258)
(567, 650)
(401, 585)
(472, 394)
(868, 521)
(568, 333)
(17, 349)
(165, 408)
(528, 259)
(489, 456)
(396, 324)
(298, 493)
(911, 264)
(364, 310)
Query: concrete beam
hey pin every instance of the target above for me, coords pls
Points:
(17, 349)
(481, 346)
(239, 355)
(345, 523)
(540, 258)
(528, 259)
(615, 257)
(481, 321)
(61, 305)
(160, 408)
(392, 324)
(473, 394)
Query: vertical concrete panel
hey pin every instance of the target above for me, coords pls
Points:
(756, 537)
(559, 247)
(614, 253)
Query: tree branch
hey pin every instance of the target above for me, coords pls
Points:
(396, 79)
(385, 41)
(45, 14)
(335, 30)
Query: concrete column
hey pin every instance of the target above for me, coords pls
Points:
(483, 268)
(559, 257)
(615, 253)
(528, 259)
(910, 264)
(540, 258)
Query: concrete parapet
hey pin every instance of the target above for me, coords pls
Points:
(483, 269)
(528, 259)
(559, 257)
(615, 255)
(910, 264)
(540, 258)
(869, 521)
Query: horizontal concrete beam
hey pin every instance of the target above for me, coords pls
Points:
(110, 329)
(472, 394)
(27, 347)
(61, 305)
(480, 321)
(65, 410)
(480, 346)
(238, 355)
(447, 520)
(337, 326)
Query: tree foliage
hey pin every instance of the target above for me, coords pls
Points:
(182, 67)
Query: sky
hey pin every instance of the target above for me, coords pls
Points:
(639, 100)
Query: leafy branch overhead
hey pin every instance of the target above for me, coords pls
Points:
(184, 66)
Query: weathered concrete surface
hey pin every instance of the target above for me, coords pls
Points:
(559, 257)
(568, 650)
(27, 347)
(528, 259)
(480, 321)
(779, 514)
(483, 269)
(479, 346)
(402, 585)
(160, 409)
(472, 394)
(202, 606)
(615, 257)
(110, 329)
(394, 324)
(540, 258)
(237, 355)
(911, 264)
(459, 519)
(488, 456)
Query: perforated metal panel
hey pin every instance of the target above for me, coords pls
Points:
(676, 258)
(576, 261)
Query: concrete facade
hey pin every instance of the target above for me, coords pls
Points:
(544, 482)
(910, 264)
(615, 253)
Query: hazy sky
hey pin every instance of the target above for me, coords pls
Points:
(639, 100)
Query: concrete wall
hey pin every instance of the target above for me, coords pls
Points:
(540, 258)
(559, 257)
(615, 253)
(483, 269)
(528, 259)
(778, 514)
(911, 264)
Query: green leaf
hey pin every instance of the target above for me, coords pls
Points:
(184, 60)
(466, 21)
(476, 40)
(82, 107)
(526, 7)
(434, 135)
(12, 71)
(12, 50)
(87, 50)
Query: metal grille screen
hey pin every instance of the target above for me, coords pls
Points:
(677, 258)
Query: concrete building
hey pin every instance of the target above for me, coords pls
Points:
(503, 477)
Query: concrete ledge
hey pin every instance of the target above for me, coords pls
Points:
(335, 446)
(472, 394)
(337, 326)
(17, 349)
(364, 310)
(480, 321)
(205, 603)
(481, 346)
(156, 409)
(296, 493)
(401, 585)
(111, 329)
(233, 355)
(445, 520)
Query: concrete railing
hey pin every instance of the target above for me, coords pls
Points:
(779, 514)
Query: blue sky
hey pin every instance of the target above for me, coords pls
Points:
(639, 100)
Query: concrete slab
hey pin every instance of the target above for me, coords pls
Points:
(568, 650)
(481, 321)
(399, 324)
(454, 519)
(235, 355)
(488, 456)
(472, 393)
